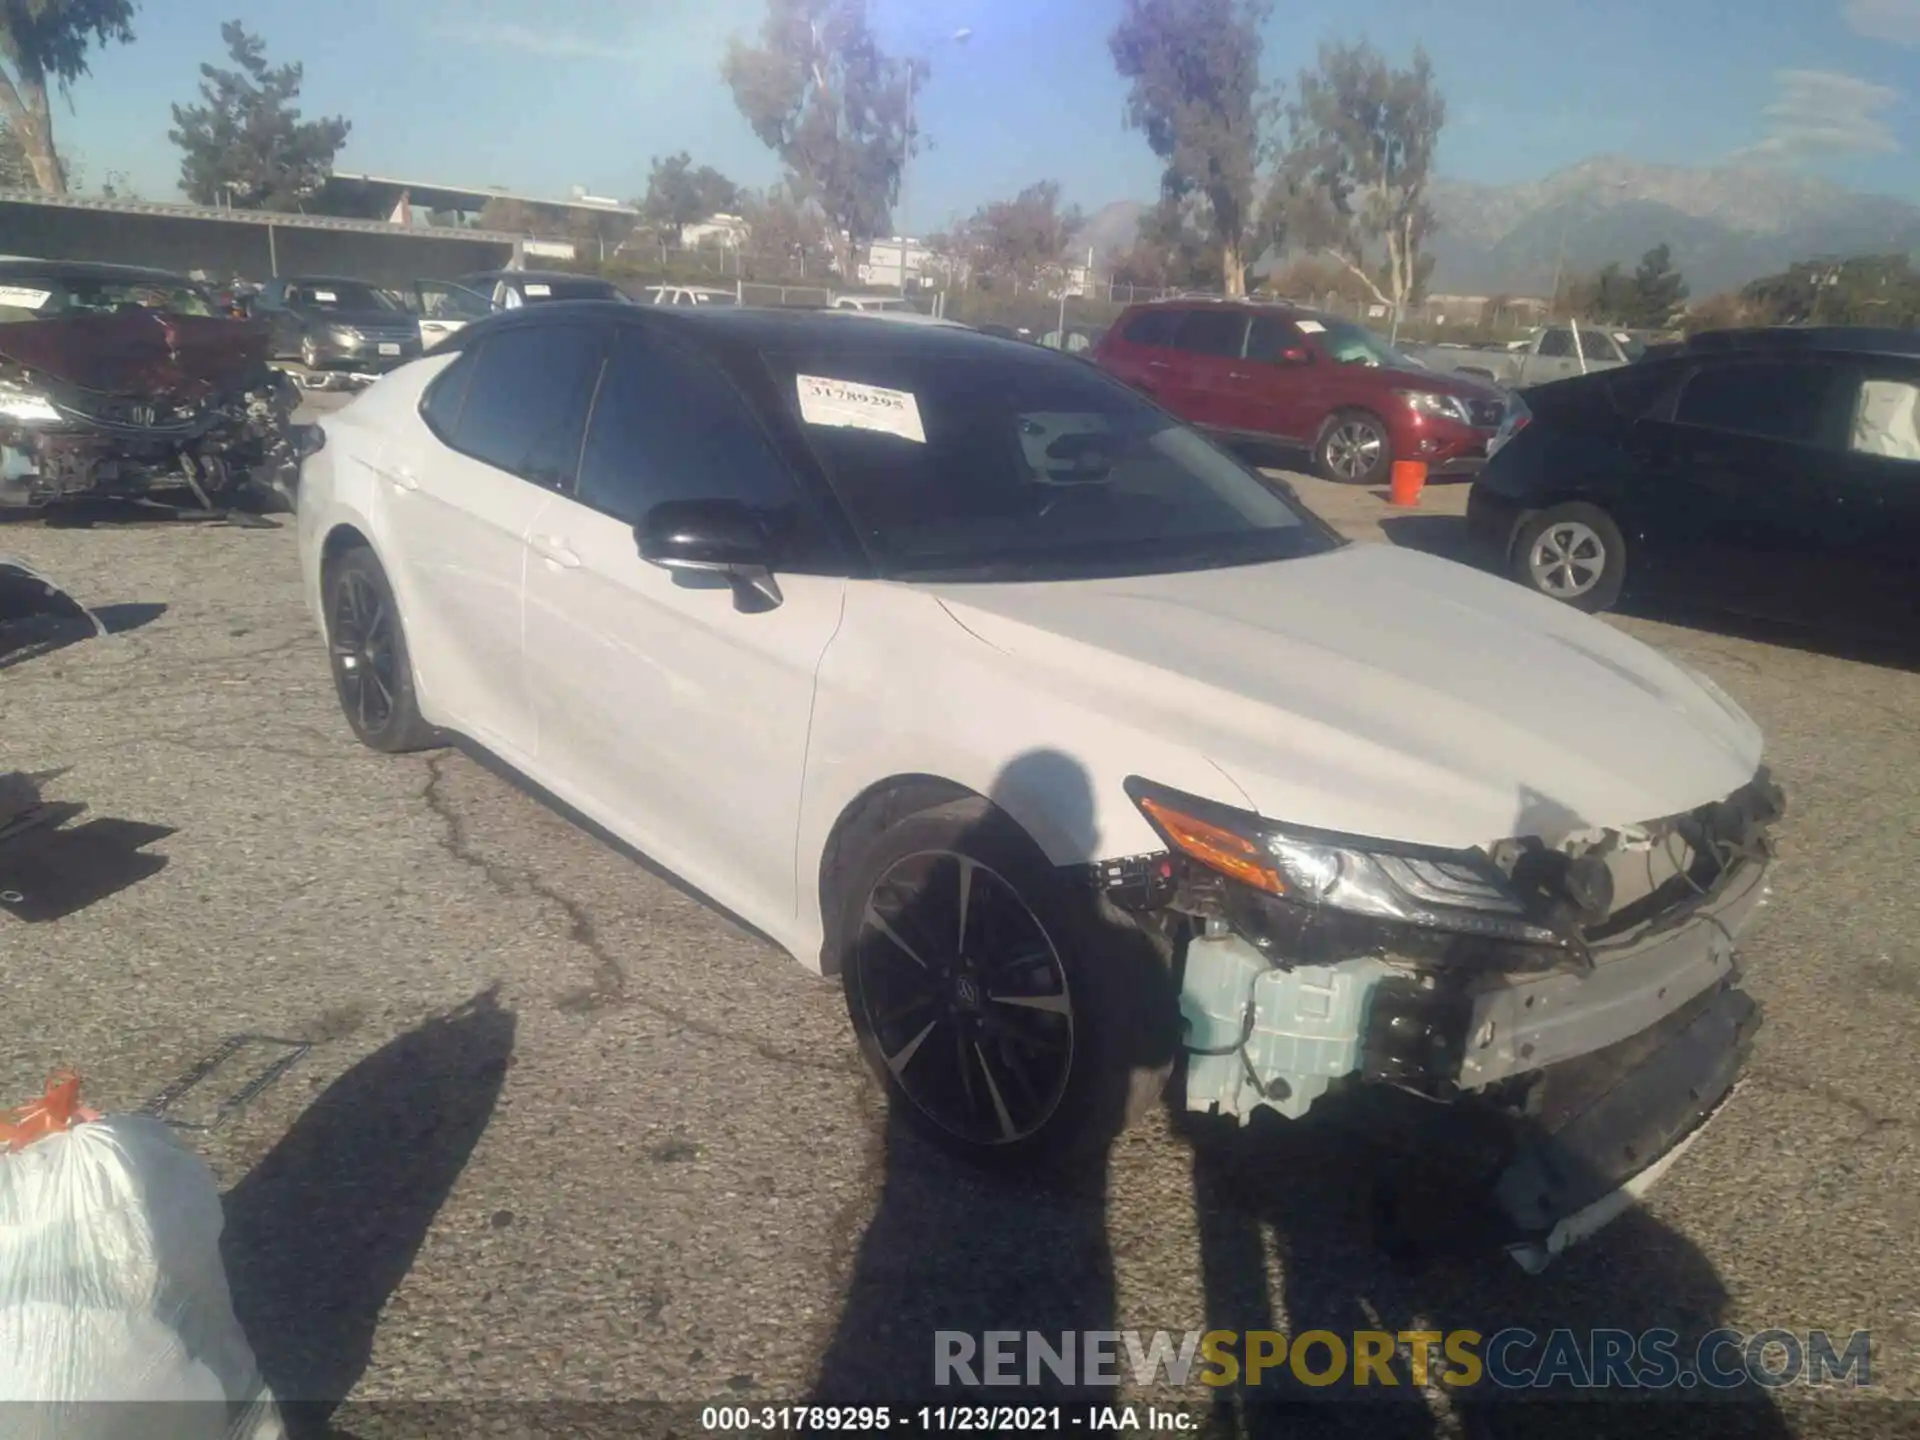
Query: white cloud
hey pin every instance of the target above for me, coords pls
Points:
(1894, 20)
(1818, 113)
(536, 40)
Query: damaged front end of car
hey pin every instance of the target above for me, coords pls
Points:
(144, 406)
(1569, 1002)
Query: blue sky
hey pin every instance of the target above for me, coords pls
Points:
(541, 97)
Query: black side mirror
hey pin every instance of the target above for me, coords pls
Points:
(712, 537)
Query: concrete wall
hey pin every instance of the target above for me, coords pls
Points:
(226, 248)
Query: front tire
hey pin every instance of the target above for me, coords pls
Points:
(372, 670)
(1354, 449)
(1015, 1018)
(1573, 553)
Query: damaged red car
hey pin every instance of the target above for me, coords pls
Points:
(126, 383)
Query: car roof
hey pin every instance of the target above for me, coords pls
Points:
(541, 275)
(1832, 339)
(89, 270)
(1283, 309)
(747, 328)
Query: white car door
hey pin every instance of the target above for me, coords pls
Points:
(668, 711)
(460, 491)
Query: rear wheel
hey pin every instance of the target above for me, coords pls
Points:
(1354, 449)
(1573, 553)
(1016, 1019)
(372, 671)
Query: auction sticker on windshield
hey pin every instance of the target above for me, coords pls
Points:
(1309, 327)
(860, 407)
(326, 297)
(18, 297)
(539, 289)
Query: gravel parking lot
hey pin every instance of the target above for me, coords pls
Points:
(564, 1132)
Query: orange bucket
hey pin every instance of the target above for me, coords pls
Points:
(1409, 479)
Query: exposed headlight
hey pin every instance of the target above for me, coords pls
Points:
(1459, 892)
(26, 406)
(1443, 407)
(344, 335)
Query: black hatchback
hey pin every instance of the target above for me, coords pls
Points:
(1774, 472)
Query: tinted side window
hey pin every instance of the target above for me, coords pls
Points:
(1777, 400)
(1212, 332)
(440, 406)
(1268, 336)
(1555, 344)
(1152, 327)
(526, 404)
(669, 425)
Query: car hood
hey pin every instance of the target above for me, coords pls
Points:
(1445, 382)
(1380, 692)
(145, 353)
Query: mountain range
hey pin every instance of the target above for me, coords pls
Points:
(1725, 225)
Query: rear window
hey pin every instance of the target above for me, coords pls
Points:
(582, 289)
(330, 295)
(1151, 327)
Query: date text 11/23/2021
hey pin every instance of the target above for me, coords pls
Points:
(944, 1419)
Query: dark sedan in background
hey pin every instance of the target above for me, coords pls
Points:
(1774, 472)
(336, 324)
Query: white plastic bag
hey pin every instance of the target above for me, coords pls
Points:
(112, 1290)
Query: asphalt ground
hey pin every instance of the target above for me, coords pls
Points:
(562, 1132)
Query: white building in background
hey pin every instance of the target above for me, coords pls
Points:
(728, 232)
(899, 258)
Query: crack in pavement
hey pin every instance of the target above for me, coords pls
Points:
(1789, 1082)
(610, 981)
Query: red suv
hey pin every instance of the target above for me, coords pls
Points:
(1269, 372)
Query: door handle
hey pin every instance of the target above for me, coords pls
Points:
(1156, 365)
(554, 549)
(1238, 375)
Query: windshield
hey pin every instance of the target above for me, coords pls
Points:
(1352, 345)
(43, 297)
(1026, 467)
(338, 295)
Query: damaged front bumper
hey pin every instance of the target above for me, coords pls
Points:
(1579, 1071)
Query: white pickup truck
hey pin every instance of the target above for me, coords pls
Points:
(1549, 353)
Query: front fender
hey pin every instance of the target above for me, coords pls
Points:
(25, 594)
(906, 690)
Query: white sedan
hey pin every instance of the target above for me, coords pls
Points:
(1062, 738)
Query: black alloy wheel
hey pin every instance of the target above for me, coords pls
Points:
(965, 997)
(1015, 1017)
(372, 673)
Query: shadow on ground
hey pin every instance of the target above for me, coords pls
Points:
(323, 1230)
(50, 869)
(950, 1248)
(1840, 634)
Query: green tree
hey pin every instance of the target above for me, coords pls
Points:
(785, 231)
(247, 143)
(1860, 290)
(1193, 71)
(43, 43)
(1020, 242)
(678, 195)
(1360, 150)
(1608, 294)
(1659, 290)
(820, 93)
